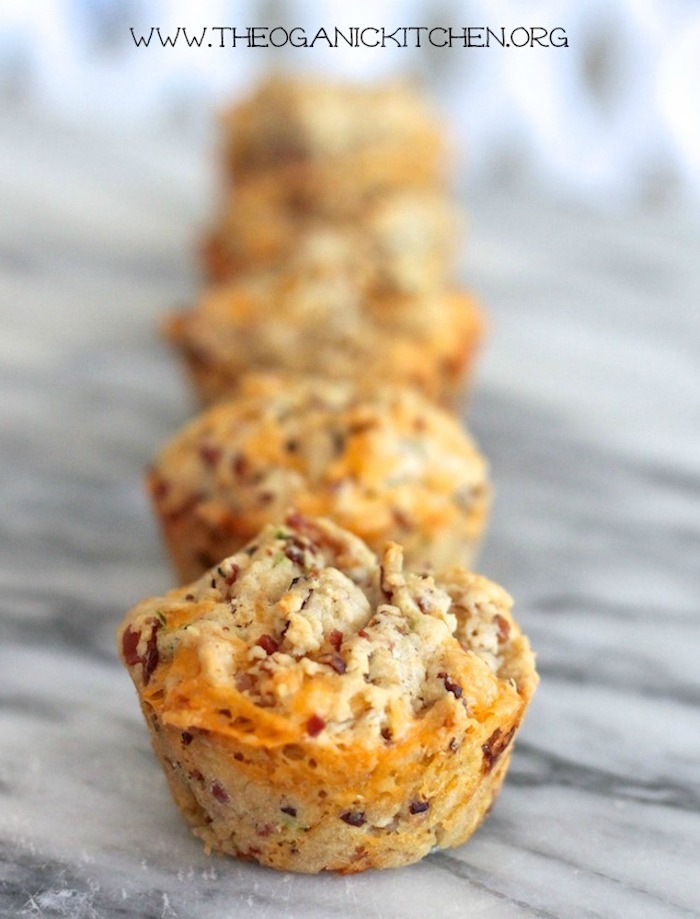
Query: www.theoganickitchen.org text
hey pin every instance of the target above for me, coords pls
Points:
(351, 37)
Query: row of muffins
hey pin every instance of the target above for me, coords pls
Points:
(333, 248)
(333, 690)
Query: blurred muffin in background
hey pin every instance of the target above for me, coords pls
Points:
(319, 320)
(327, 145)
(405, 241)
(385, 463)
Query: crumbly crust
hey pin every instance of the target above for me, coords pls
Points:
(317, 708)
(323, 323)
(384, 463)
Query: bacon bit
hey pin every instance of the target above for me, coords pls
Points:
(450, 685)
(292, 811)
(149, 659)
(294, 551)
(423, 604)
(304, 526)
(130, 642)
(240, 465)
(159, 486)
(219, 792)
(265, 829)
(209, 454)
(386, 590)
(335, 639)
(354, 818)
(337, 663)
(315, 725)
(363, 634)
(238, 757)
(401, 519)
(503, 629)
(494, 747)
(268, 644)
(231, 578)
(418, 807)
(196, 775)
(295, 520)
(244, 681)
(187, 738)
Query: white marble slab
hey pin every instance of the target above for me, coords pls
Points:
(588, 403)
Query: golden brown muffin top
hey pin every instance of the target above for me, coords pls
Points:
(320, 321)
(375, 460)
(289, 118)
(305, 633)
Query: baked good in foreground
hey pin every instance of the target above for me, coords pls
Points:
(401, 242)
(321, 322)
(316, 707)
(385, 463)
(325, 144)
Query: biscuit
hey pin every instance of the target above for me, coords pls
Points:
(315, 707)
(385, 463)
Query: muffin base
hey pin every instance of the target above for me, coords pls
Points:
(294, 808)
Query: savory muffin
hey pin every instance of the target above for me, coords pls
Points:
(324, 144)
(385, 463)
(402, 242)
(320, 321)
(316, 707)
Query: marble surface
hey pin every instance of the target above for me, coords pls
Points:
(587, 402)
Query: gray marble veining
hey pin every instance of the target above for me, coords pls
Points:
(587, 402)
